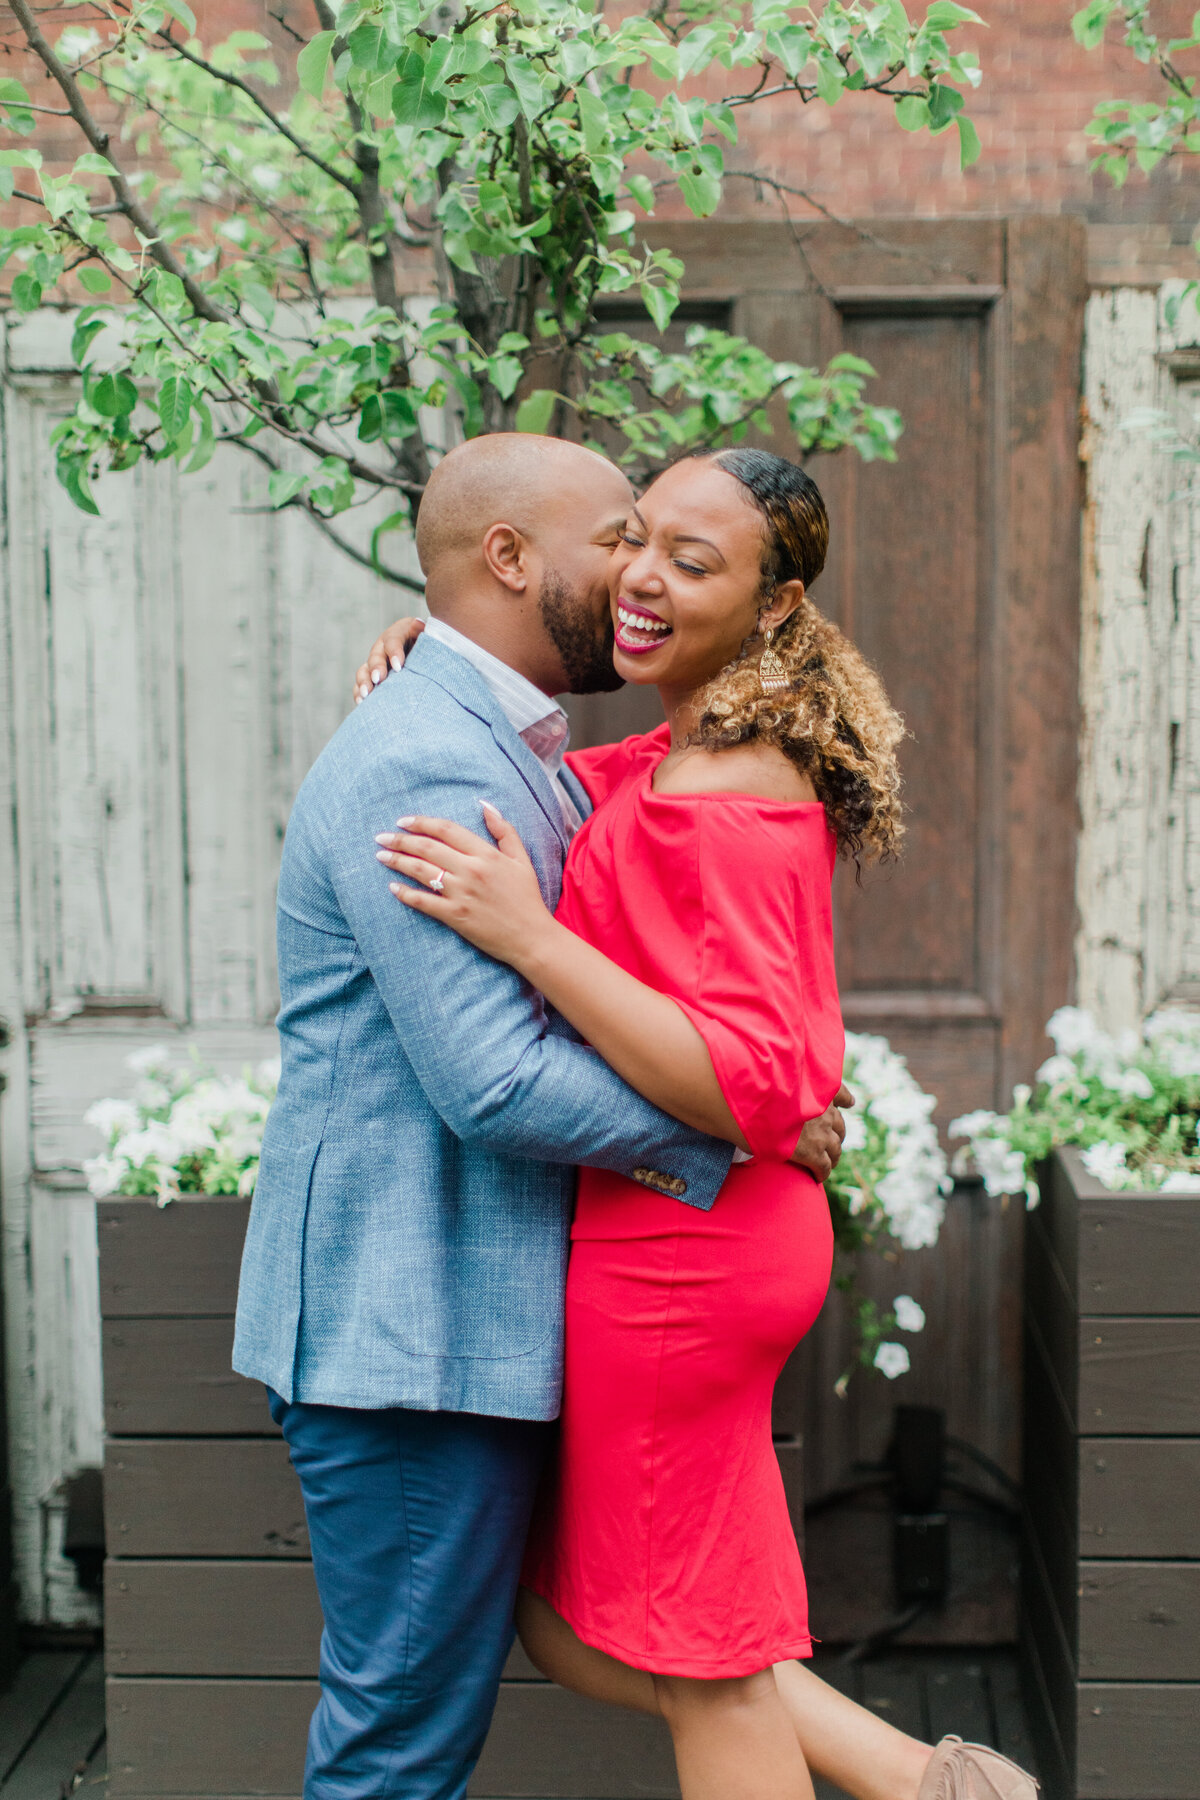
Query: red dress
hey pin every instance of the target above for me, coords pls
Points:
(663, 1535)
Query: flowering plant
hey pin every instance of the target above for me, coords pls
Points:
(891, 1183)
(1131, 1103)
(184, 1131)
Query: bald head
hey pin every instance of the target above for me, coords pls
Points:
(508, 477)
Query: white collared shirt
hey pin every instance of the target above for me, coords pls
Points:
(539, 721)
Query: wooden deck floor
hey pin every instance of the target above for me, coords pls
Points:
(52, 1718)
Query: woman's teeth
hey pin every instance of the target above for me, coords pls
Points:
(639, 630)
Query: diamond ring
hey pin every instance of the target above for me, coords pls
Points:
(438, 884)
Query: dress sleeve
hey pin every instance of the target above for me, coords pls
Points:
(605, 766)
(766, 999)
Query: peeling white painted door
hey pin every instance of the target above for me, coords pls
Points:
(170, 671)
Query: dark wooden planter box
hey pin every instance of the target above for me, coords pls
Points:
(1111, 1581)
(212, 1623)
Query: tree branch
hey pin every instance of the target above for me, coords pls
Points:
(132, 208)
(243, 87)
(322, 523)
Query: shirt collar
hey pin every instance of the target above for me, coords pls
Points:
(522, 704)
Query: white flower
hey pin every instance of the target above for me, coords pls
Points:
(103, 1174)
(1076, 1033)
(1106, 1163)
(909, 1315)
(1059, 1072)
(111, 1118)
(267, 1074)
(892, 1360)
(973, 1124)
(1134, 1083)
(1001, 1167)
(153, 1061)
(1022, 1095)
(856, 1132)
(1181, 1181)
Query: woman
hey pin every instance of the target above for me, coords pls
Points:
(693, 949)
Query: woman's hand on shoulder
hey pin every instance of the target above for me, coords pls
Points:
(387, 652)
(760, 769)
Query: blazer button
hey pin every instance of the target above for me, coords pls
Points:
(662, 1184)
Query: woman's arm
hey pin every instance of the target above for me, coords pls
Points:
(491, 897)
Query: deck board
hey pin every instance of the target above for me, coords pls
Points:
(51, 1719)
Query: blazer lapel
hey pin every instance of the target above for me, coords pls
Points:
(437, 662)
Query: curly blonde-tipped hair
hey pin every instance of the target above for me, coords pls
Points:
(833, 719)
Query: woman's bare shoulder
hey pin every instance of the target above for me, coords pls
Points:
(760, 769)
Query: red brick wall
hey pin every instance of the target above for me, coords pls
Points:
(1038, 93)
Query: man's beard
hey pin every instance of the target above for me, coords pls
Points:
(585, 648)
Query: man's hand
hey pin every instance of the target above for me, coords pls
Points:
(820, 1146)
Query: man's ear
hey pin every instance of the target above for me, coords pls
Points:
(784, 601)
(505, 552)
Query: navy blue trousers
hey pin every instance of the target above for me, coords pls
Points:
(418, 1523)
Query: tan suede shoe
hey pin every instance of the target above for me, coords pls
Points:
(959, 1771)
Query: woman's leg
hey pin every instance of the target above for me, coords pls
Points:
(846, 1744)
(734, 1740)
(552, 1647)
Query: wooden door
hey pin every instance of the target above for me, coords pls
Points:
(956, 570)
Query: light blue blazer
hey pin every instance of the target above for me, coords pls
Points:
(408, 1236)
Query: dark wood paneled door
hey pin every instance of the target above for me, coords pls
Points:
(956, 569)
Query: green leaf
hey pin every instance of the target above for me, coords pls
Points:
(174, 405)
(96, 281)
(72, 473)
(369, 48)
(536, 410)
(417, 100)
(943, 15)
(1090, 22)
(284, 485)
(178, 10)
(26, 293)
(397, 521)
(969, 146)
(701, 193)
(82, 336)
(207, 442)
(526, 85)
(313, 62)
(594, 120)
(641, 189)
(659, 302)
(497, 104)
(831, 79)
(113, 395)
(91, 164)
(912, 113)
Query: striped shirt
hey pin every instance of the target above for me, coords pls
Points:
(539, 721)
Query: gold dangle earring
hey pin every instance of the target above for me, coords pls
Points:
(772, 676)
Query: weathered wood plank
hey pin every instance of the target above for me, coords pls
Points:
(173, 1377)
(67, 1741)
(546, 1741)
(203, 1497)
(956, 1699)
(1139, 1497)
(1139, 1376)
(1139, 1621)
(1139, 1741)
(180, 1738)
(211, 1618)
(1137, 1254)
(168, 1738)
(175, 1260)
(31, 1699)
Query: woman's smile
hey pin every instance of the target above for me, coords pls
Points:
(637, 628)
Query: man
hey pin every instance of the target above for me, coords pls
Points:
(403, 1277)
